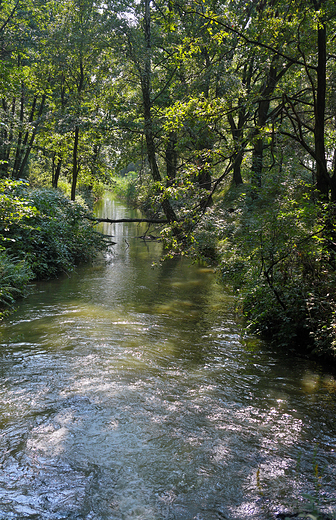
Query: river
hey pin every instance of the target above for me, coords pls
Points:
(131, 392)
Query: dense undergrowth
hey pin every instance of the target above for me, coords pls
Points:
(279, 255)
(126, 187)
(280, 258)
(42, 234)
(276, 248)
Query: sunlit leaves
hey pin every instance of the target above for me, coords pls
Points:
(14, 207)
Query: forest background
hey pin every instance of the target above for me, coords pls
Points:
(216, 117)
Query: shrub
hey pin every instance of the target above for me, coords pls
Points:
(59, 236)
(14, 277)
(126, 187)
(278, 252)
(42, 233)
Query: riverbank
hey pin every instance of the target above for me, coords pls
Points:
(42, 234)
(279, 260)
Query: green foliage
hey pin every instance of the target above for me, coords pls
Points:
(15, 208)
(14, 277)
(274, 249)
(59, 236)
(127, 188)
(42, 235)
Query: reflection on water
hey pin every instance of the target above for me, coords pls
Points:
(129, 392)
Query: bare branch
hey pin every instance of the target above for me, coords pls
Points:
(118, 220)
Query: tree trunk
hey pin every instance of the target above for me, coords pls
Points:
(75, 166)
(18, 153)
(237, 134)
(32, 137)
(333, 181)
(258, 148)
(237, 177)
(4, 142)
(271, 82)
(171, 159)
(7, 139)
(57, 173)
(146, 87)
(322, 177)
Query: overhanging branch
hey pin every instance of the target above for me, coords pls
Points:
(119, 220)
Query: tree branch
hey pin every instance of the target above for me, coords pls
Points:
(118, 220)
(9, 17)
(240, 34)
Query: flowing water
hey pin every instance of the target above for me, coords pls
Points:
(130, 392)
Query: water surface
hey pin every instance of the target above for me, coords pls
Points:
(131, 392)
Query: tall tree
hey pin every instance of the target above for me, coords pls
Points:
(78, 43)
(310, 118)
(24, 83)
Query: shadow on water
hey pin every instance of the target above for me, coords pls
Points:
(131, 392)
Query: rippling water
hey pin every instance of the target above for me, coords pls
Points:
(129, 392)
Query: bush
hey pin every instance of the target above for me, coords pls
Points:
(126, 187)
(278, 252)
(14, 277)
(58, 236)
(42, 234)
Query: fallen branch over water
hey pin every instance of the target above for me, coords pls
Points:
(117, 220)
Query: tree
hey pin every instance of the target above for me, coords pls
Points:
(79, 49)
(306, 109)
(25, 84)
